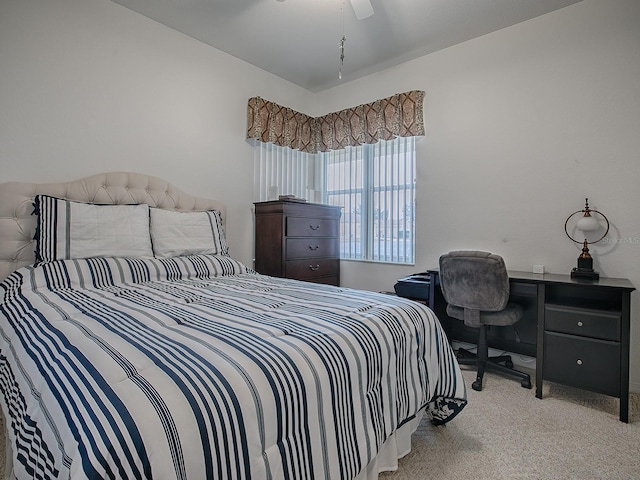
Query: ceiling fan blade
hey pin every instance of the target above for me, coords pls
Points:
(362, 8)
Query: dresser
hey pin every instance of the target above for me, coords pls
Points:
(298, 240)
(578, 330)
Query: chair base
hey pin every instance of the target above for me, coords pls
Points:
(494, 364)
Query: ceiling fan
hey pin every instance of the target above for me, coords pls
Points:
(362, 8)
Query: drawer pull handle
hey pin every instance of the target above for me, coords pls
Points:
(579, 362)
(580, 324)
(315, 269)
(314, 247)
(314, 227)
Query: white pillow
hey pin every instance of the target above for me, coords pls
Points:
(175, 234)
(69, 230)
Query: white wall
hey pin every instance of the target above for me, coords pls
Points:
(88, 86)
(522, 125)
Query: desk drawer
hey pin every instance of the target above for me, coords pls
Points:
(583, 321)
(312, 227)
(582, 362)
(312, 268)
(311, 248)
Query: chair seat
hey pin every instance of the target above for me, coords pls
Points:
(510, 315)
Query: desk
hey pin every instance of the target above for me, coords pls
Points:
(577, 329)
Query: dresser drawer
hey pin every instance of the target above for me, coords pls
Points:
(312, 227)
(332, 280)
(312, 268)
(583, 321)
(311, 248)
(582, 362)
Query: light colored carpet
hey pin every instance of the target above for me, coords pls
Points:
(505, 433)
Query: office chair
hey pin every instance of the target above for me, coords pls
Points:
(475, 286)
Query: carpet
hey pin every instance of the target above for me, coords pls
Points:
(506, 433)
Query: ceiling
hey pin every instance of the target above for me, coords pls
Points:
(297, 40)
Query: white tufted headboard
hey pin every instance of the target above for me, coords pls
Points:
(17, 224)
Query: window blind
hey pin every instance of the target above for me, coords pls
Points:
(283, 171)
(375, 185)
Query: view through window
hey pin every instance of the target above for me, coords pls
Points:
(375, 185)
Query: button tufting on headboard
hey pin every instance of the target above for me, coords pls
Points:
(17, 224)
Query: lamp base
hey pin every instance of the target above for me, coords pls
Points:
(585, 273)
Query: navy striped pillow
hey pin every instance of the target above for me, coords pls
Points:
(67, 230)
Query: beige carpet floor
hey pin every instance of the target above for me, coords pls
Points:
(505, 433)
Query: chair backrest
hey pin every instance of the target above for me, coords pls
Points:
(474, 280)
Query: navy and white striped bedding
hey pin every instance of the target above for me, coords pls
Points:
(196, 367)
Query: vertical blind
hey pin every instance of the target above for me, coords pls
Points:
(283, 171)
(375, 185)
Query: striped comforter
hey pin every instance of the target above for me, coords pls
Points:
(196, 367)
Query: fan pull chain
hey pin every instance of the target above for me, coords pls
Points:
(343, 39)
(341, 46)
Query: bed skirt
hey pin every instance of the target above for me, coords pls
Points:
(397, 446)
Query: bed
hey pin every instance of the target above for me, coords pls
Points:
(184, 362)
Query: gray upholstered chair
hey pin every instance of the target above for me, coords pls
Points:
(475, 286)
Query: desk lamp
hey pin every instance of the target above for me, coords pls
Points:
(587, 223)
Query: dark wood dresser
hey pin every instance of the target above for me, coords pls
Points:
(298, 240)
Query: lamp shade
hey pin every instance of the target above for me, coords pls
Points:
(587, 224)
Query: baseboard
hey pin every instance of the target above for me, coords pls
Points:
(524, 361)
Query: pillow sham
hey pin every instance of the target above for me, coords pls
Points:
(175, 234)
(68, 229)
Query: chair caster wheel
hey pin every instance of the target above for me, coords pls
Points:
(526, 383)
(477, 385)
(508, 364)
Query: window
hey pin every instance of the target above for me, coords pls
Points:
(375, 185)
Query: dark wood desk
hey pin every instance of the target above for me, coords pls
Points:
(578, 330)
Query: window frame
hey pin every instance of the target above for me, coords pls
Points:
(370, 192)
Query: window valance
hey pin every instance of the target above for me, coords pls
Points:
(397, 116)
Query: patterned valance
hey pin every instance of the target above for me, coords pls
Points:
(397, 116)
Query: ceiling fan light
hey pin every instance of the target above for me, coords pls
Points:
(362, 8)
